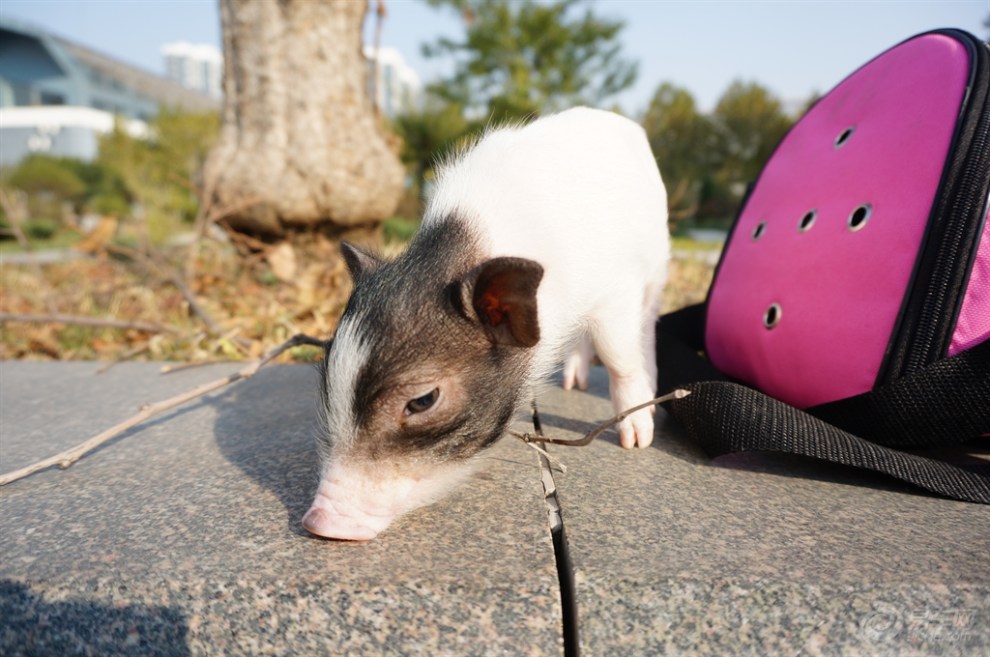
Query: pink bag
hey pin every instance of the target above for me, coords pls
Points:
(863, 251)
(855, 283)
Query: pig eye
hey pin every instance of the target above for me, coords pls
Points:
(423, 403)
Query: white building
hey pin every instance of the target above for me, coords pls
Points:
(398, 88)
(195, 66)
(59, 130)
(57, 97)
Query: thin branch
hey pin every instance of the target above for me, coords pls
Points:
(538, 428)
(591, 435)
(194, 305)
(677, 196)
(169, 369)
(14, 208)
(87, 321)
(162, 270)
(550, 459)
(248, 242)
(199, 224)
(176, 279)
(216, 214)
(380, 14)
(127, 355)
(70, 456)
(206, 215)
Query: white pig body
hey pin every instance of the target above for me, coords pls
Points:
(537, 241)
(580, 193)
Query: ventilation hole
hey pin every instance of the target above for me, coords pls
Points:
(859, 217)
(807, 220)
(772, 316)
(843, 137)
(759, 230)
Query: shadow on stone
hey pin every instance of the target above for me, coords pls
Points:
(33, 626)
(266, 426)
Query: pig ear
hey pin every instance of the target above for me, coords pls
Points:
(359, 262)
(503, 296)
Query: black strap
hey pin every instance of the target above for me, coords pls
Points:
(946, 403)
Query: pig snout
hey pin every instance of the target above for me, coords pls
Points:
(358, 504)
(334, 520)
(355, 508)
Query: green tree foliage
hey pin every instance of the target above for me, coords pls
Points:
(106, 192)
(750, 122)
(427, 135)
(682, 140)
(56, 183)
(47, 176)
(525, 57)
(161, 172)
(706, 160)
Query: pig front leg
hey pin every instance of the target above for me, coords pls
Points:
(625, 340)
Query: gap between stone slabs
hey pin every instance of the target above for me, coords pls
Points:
(561, 550)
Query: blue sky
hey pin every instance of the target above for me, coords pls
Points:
(794, 47)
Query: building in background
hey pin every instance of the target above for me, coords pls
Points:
(195, 66)
(398, 87)
(58, 97)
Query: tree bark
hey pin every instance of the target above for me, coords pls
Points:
(298, 129)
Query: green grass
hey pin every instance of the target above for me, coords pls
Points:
(684, 243)
(62, 239)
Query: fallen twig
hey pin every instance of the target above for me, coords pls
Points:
(14, 206)
(15, 209)
(538, 437)
(538, 428)
(157, 267)
(130, 353)
(245, 244)
(553, 462)
(178, 367)
(208, 214)
(70, 456)
(87, 321)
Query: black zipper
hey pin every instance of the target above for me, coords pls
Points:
(924, 329)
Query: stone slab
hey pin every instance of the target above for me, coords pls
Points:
(756, 554)
(182, 537)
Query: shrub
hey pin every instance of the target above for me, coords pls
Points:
(41, 229)
(109, 203)
(47, 176)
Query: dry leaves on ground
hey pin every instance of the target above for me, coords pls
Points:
(255, 302)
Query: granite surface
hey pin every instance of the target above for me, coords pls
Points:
(757, 554)
(182, 537)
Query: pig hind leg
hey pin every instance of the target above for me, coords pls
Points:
(625, 340)
(578, 364)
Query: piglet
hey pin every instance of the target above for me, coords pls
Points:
(541, 245)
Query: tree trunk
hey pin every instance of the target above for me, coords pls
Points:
(299, 144)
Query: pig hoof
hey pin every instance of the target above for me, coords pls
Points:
(320, 523)
(636, 430)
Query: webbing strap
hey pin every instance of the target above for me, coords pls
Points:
(946, 403)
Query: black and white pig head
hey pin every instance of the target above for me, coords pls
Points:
(427, 368)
